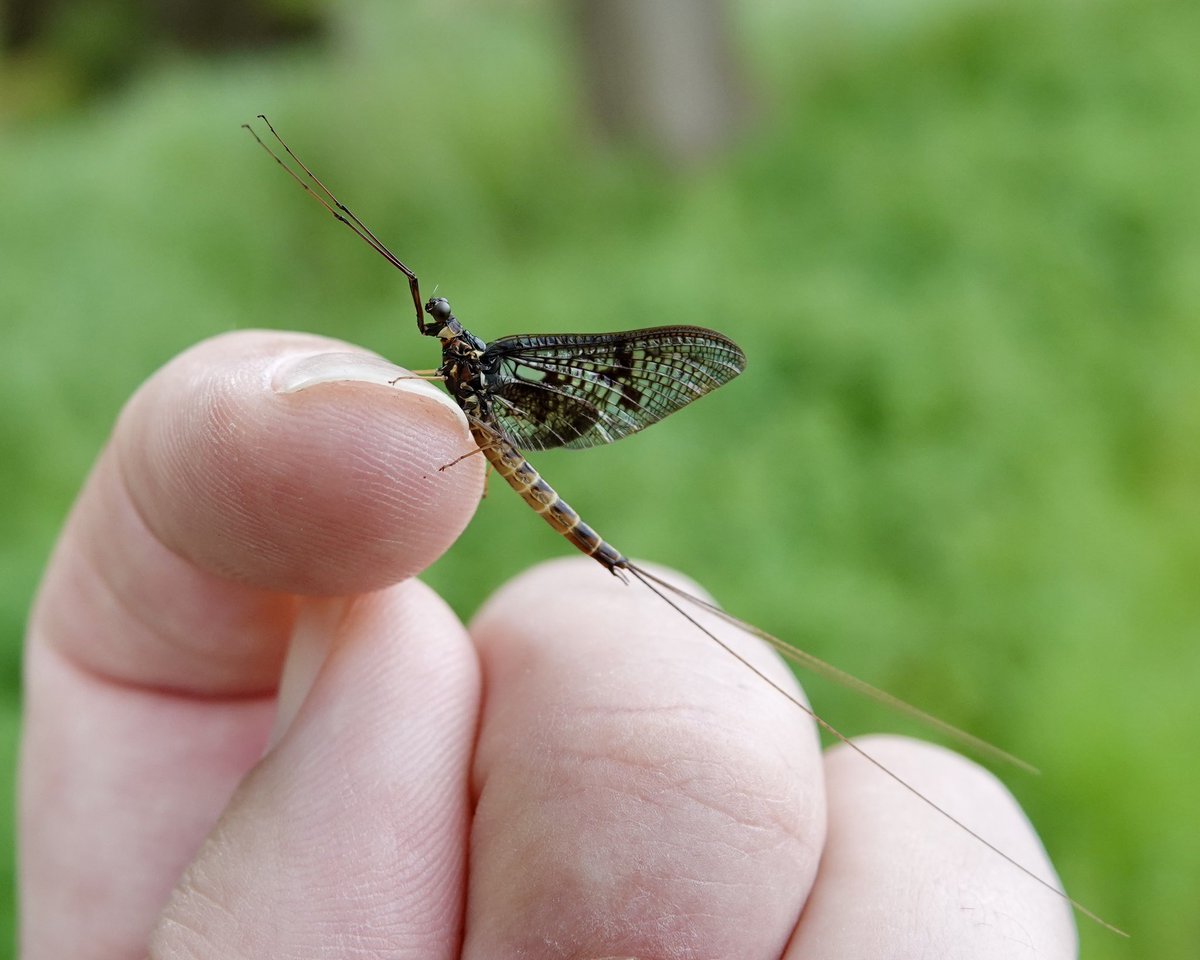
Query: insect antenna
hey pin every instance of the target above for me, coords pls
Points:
(653, 583)
(340, 211)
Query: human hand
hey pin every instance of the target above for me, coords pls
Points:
(626, 790)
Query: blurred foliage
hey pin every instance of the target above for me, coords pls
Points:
(60, 53)
(960, 250)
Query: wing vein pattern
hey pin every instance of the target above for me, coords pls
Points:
(580, 390)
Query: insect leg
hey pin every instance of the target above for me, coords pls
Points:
(418, 375)
(457, 460)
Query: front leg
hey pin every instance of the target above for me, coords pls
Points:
(458, 460)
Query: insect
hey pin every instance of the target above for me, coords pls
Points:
(537, 392)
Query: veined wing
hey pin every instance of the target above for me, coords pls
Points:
(581, 390)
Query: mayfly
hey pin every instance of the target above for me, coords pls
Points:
(572, 391)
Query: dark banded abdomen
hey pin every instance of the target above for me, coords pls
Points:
(520, 474)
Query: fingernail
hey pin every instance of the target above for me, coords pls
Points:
(301, 373)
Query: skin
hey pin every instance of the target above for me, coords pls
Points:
(251, 733)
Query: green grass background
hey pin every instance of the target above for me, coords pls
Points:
(960, 246)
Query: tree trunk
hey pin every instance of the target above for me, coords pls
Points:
(662, 73)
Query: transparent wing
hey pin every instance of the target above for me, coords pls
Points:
(580, 390)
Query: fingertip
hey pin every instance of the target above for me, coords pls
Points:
(931, 763)
(899, 872)
(292, 463)
(399, 679)
(946, 778)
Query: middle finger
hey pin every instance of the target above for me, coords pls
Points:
(640, 792)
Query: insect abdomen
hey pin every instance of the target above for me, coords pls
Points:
(521, 475)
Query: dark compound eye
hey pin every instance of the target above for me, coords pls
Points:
(438, 308)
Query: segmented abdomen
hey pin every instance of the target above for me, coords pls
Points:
(520, 474)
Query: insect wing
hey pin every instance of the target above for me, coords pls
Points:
(581, 390)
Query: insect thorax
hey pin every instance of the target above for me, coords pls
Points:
(463, 366)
